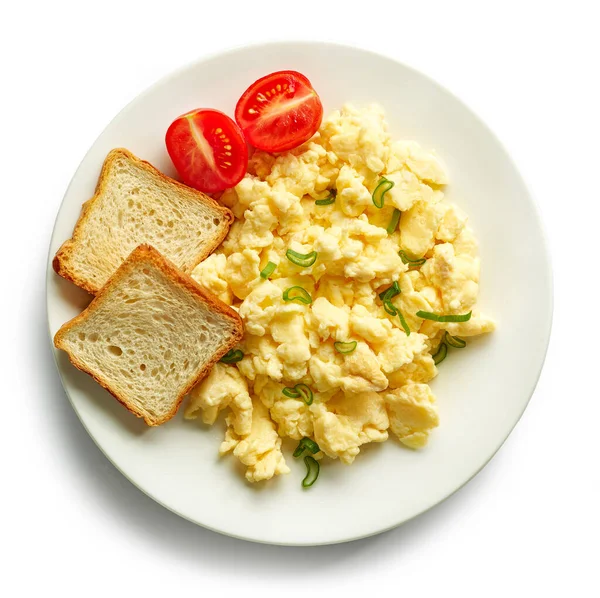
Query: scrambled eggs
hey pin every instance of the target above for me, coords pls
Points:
(381, 385)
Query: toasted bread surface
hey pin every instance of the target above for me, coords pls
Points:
(150, 335)
(134, 204)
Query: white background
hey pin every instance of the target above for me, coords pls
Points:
(526, 525)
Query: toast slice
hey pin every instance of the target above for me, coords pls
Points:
(134, 203)
(150, 335)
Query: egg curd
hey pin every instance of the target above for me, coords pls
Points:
(374, 379)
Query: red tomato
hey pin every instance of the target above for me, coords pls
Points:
(207, 149)
(279, 112)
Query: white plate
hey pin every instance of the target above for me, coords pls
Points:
(482, 391)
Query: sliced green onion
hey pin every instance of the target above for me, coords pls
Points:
(306, 444)
(232, 356)
(268, 270)
(390, 292)
(345, 348)
(305, 392)
(387, 296)
(327, 201)
(297, 294)
(312, 472)
(426, 315)
(301, 259)
(403, 323)
(300, 391)
(389, 307)
(441, 354)
(412, 263)
(391, 227)
(455, 341)
(382, 188)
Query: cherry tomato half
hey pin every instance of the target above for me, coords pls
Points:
(279, 112)
(208, 150)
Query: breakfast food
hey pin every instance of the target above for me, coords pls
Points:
(343, 283)
(279, 112)
(134, 203)
(353, 275)
(208, 150)
(150, 335)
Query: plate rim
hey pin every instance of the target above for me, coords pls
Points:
(546, 251)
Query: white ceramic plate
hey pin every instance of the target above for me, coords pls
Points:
(482, 391)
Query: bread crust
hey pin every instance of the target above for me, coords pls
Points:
(144, 254)
(62, 259)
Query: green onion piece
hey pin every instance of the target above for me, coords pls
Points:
(403, 323)
(268, 270)
(441, 354)
(389, 307)
(301, 259)
(382, 188)
(387, 296)
(455, 341)
(412, 263)
(297, 294)
(312, 472)
(305, 393)
(311, 445)
(391, 227)
(390, 292)
(345, 348)
(306, 444)
(426, 315)
(300, 391)
(327, 201)
(232, 356)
